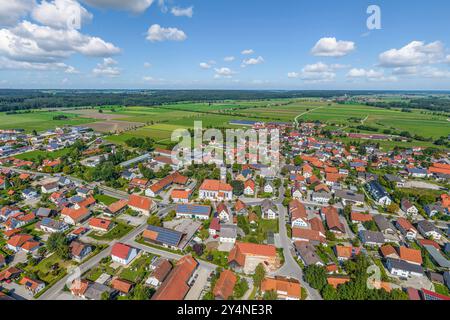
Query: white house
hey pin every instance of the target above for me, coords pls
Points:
(123, 254)
(268, 187)
(215, 190)
(249, 187)
(403, 269)
(228, 233)
(321, 197)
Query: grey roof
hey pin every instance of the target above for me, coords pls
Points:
(228, 231)
(371, 236)
(268, 204)
(308, 253)
(426, 226)
(95, 291)
(43, 212)
(403, 265)
(376, 190)
(392, 178)
(350, 195)
(382, 223)
(438, 257)
(326, 195)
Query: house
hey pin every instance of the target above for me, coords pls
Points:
(78, 287)
(269, 187)
(406, 228)
(384, 225)
(372, 238)
(308, 235)
(32, 285)
(18, 242)
(74, 216)
(96, 291)
(9, 274)
(433, 209)
(223, 212)
(332, 220)
(79, 250)
(428, 230)
(297, 191)
(397, 181)
(403, 269)
(388, 251)
(409, 255)
(193, 211)
(349, 197)
(180, 195)
(138, 183)
(214, 227)
(321, 197)
(247, 256)
(228, 233)
(224, 287)
(2, 261)
(50, 187)
(240, 208)
(123, 254)
(123, 286)
(298, 215)
(159, 274)
(433, 296)
(286, 288)
(306, 252)
(269, 210)
(408, 207)
(378, 193)
(99, 224)
(162, 236)
(360, 217)
(438, 258)
(249, 187)
(43, 212)
(215, 190)
(176, 285)
(417, 172)
(344, 253)
(141, 204)
(116, 208)
(29, 194)
(52, 226)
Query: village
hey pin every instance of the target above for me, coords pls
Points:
(87, 219)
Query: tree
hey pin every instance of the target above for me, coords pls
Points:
(298, 161)
(393, 208)
(241, 288)
(58, 243)
(316, 276)
(259, 275)
(238, 187)
(154, 221)
(270, 295)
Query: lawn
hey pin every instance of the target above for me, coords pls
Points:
(50, 269)
(34, 155)
(105, 199)
(138, 269)
(117, 232)
(441, 289)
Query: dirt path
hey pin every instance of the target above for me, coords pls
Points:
(306, 112)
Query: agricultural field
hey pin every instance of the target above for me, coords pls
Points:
(40, 120)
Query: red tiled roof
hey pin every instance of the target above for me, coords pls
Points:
(332, 218)
(362, 217)
(215, 185)
(336, 281)
(310, 235)
(117, 206)
(297, 210)
(410, 255)
(19, 240)
(140, 202)
(225, 285)
(278, 284)
(121, 250)
(75, 214)
(123, 286)
(99, 223)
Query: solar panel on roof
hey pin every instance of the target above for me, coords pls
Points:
(166, 236)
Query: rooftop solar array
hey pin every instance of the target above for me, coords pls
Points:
(166, 236)
(193, 209)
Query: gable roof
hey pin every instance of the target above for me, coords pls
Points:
(121, 250)
(225, 285)
(291, 287)
(140, 202)
(163, 235)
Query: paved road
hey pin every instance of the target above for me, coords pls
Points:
(290, 267)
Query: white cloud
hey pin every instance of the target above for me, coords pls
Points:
(147, 65)
(223, 72)
(183, 12)
(107, 68)
(431, 72)
(369, 74)
(61, 14)
(136, 6)
(205, 65)
(158, 33)
(413, 54)
(7, 64)
(252, 61)
(317, 72)
(247, 51)
(229, 59)
(330, 47)
(447, 59)
(148, 78)
(12, 10)
(30, 42)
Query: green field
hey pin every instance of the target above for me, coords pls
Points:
(34, 155)
(39, 120)
(160, 121)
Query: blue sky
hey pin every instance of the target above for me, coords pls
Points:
(177, 44)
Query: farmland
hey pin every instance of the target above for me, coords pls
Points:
(158, 122)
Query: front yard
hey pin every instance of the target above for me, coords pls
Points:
(117, 232)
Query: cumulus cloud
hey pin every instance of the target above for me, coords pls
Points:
(252, 61)
(7, 64)
(61, 14)
(183, 12)
(317, 72)
(29, 42)
(247, 51)
(223, 72)
(447, 59)
(231, 58)
(157, 33)
(107, 68)
(413, 54)
(136, 6)
(330, 47)
(12, 10)
(369, 74)
(205, 65)
(147, 64)
(434, 73)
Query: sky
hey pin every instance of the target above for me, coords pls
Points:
(225, 44)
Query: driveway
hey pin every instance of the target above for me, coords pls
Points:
(199, 284)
